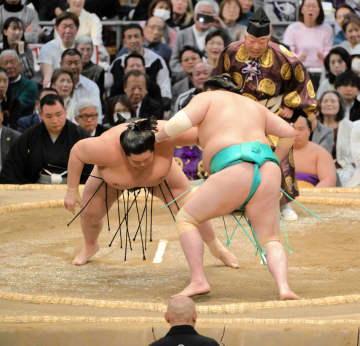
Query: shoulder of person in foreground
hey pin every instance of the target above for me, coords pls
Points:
(199, 339)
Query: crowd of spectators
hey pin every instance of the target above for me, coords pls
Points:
(167, 50)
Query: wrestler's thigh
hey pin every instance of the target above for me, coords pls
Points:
(97, 206)
(176, 181)
(263, 209)
(221, 193)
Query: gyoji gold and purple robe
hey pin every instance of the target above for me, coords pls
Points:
(277, 79)
(189, 158)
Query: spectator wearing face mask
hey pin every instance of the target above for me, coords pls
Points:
(119, 110)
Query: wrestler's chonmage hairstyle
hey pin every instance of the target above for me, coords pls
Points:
(223, 81)
(139, 137)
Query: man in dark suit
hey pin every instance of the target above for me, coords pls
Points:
(135, 87)
(7, 138)
(41, 153)
(181, 315)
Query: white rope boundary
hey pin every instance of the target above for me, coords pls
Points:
(160, 307)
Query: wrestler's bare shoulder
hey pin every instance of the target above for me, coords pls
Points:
(215, 95)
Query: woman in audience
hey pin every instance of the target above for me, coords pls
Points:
(351, 28)
(119, 110)
(13, 38)
(183, 14)
(63, 82)
(338, 60)
(310, 39)
(331, 112)
(230, 13)
(90, 25)
(214, 45)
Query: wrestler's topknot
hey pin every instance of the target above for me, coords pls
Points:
(223, 81)
(139, 136)
(143, 125)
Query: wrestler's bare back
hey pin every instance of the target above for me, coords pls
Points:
(240, 120)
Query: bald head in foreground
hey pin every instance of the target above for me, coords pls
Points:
(181, 315)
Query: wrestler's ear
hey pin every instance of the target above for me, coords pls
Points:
(167, 317)
(194, 318)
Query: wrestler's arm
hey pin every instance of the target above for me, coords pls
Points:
(189, 137)
(87, 151)
(278, 127)
(326, 170)
(186, 118)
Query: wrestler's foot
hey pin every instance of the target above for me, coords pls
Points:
(194, 289)
(219, 251)
(288, 294)
(229, 259)
(85, 254)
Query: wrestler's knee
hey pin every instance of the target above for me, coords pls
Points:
(94, 210)
(185, 222)
(266, 240)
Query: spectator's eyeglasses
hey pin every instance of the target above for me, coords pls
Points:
(88, 116)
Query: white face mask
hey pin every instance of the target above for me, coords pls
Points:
(121, 117)
(161, 13)
(355, 65)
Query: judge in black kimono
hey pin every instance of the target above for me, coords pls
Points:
(41, 153)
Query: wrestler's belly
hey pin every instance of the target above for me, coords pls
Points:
(122, 180)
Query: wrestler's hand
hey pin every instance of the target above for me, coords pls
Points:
(72, 198)
(286, 113)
